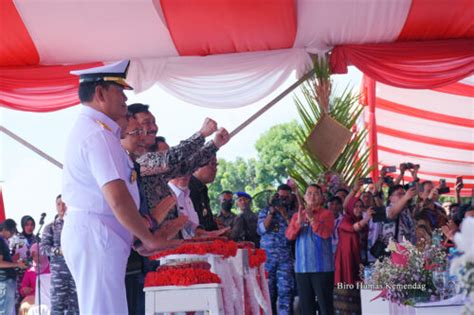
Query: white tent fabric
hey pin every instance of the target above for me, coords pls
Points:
(436, 131)
(137, 30)
(324, 24)
(220, 81)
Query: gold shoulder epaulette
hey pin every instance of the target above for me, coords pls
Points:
(103, 125)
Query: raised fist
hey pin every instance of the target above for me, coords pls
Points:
(221, 137)
(208, 127)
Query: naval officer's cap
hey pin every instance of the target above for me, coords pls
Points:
(114, 73)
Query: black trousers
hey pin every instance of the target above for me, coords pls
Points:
(135, 296)
(316, 284)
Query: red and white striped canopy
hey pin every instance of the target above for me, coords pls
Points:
(63, 32)
(433, 128)
(161, 34)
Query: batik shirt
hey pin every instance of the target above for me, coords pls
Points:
(157, 168)
(406, 227)
(335, 233)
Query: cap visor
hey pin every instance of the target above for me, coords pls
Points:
(119, 81)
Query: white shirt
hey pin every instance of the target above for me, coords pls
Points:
(185, 207)
(94, 157)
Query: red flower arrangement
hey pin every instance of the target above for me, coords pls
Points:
(180, 277)
(246, 245)
(205, 239)
(256, 257)
(217, 247)
(195, 264)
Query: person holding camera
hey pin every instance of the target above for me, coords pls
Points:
(272, 224)
(428, 201)
(400, 221)
(370, 236)
(412, 168)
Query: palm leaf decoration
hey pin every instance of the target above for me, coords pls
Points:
(318, 99)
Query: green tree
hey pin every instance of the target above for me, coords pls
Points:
(258, 177)
(238, 175)
(275, 149)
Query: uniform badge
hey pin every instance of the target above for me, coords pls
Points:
(103, 125)
(276, 227)
(133, 176)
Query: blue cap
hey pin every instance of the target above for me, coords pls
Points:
(243, 194)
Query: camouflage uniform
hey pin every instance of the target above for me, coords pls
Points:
(279, 264)
(63, 288)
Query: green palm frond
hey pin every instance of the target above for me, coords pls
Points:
(343, 107)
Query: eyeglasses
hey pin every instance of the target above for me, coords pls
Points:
(151, 132)
(135, 133)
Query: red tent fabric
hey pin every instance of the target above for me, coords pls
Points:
(413, 65)
(385, 39)
(2, 206)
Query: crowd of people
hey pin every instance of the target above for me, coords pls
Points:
(129, 194)
(25, 257)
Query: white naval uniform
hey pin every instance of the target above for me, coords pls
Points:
(95, 245)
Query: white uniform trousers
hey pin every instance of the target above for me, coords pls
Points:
(97, 257)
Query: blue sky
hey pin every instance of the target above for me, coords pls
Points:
(30, 183)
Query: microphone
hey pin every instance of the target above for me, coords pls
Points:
(41, 222)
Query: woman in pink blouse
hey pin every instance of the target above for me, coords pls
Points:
(28, 284)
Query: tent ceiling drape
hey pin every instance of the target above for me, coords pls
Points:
(170, 41)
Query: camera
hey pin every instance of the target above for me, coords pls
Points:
(459, 181)
(390, 169)
(276, 202)
(411, 184)
(388, 180)
(409, 165)
(443, 189)
(367, 180)
(380, 215)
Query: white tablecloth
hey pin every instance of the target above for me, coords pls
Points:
(452, 306)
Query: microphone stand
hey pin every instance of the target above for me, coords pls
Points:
(38, 271)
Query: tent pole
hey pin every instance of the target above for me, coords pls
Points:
(272, 102)
(31, 147)
(371, 99)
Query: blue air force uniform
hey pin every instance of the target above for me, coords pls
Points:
(279, 264)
